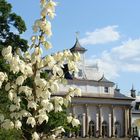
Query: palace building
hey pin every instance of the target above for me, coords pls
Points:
(102, 109)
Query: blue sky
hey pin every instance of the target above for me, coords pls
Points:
(109, 29)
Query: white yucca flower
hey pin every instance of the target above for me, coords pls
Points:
(32, 104)
(20, 80)
(42, 118)
(75, 122)
(18, 124)
(69, 119)
(35, 136)
(7, 124)
(31, 121)
(7, 86)
(6, 51)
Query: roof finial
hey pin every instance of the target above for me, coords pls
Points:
(116, 85)
(77, 34)
(117, 89)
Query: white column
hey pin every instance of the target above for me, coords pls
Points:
(87, 119)
(84, 124)
(125, 120)
(130, 119)
(109, 125)
(112, 121)
(100, 121)
(97, 122)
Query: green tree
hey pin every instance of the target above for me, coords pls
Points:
(9, 22)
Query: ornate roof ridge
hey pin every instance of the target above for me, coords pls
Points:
(103, 79)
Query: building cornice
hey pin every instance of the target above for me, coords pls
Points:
(87, 81)
(99, 96)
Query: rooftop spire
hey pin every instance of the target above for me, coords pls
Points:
(77, 47)
(133, 92)
(133, 89)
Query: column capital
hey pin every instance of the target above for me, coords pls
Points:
(99, 105)
(112, 106)
(72, 105)
(125, 107)
(86, 105)
(130, 107)
(83, 114)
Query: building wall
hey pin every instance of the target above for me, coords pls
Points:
(100, 115)
(88, 88)
(119, 117)
(92, 111)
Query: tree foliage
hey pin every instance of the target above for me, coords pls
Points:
(11, 27)
(9, 22)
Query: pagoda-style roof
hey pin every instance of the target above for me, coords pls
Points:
(77, 47)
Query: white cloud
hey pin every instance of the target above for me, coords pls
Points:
(129, 49)
(123, 58)
(131, 67)
(101, 36)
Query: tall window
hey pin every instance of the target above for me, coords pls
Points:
(92, 129)
(117, 129)
(80, 133)
(104, 129)
(106, 89)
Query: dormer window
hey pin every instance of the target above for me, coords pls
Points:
(106, 89)
(137, 106)
(80, 73)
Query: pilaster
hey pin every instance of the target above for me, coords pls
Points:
(87, 120)
(109, 125)
(130, 118)
(112, 122)
(125, 122)
(84, 124)
(100, 120)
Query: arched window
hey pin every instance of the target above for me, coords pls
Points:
(104, 129)
(92, 129)
(117, 129)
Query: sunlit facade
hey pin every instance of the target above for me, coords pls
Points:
(102, 110)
